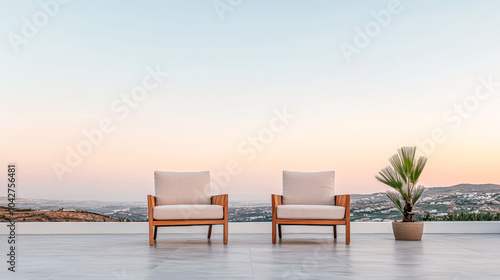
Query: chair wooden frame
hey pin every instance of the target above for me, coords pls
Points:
(340, 200)
(216, 200)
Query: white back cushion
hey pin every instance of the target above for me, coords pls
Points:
(173, 188)
(309, 188)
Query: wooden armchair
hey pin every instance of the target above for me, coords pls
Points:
(308, 199)
(181, 200)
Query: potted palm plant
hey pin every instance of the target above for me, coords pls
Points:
(402, 176)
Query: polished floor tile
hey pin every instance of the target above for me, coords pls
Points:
(252, 256)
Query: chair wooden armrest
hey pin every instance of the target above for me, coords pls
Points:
(220, 199)
(151, 205)
(276, 200)
(152, 228)
(343, 200)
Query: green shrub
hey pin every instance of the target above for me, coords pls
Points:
(463, 216)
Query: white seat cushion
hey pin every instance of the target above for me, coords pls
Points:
(188, 212)
(310, 212)
(309, 188)
(173, 188)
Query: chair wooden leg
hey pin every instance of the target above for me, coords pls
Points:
(274, 232)
(279, 231)
(151, 234)
(334, 232)
(348, 233)
(209, 231)
(156, 232)
(226, 231)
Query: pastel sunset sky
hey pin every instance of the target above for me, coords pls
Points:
(252, 89)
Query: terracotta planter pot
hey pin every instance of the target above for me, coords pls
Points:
(408, 230)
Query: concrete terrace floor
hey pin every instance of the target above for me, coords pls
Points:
(252, 256)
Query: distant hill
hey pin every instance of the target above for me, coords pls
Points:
(116, 209)
(465, 188)
(28, 215)
(461, 188)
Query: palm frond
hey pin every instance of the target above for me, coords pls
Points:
(417, 169)
(395, 198)
(417, 193)
(407, 155)
(406, 191)
(390, 177)
(397, 165)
